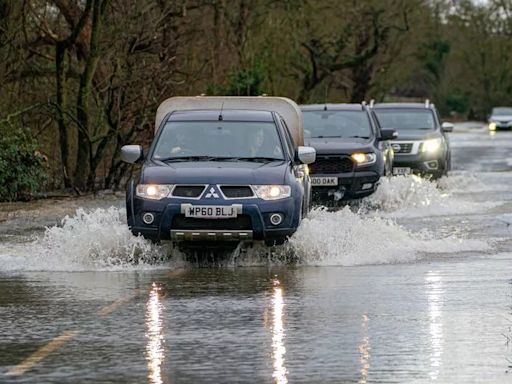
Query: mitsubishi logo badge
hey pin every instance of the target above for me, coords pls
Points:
(212, 193)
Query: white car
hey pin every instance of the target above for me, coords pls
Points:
(500, 118)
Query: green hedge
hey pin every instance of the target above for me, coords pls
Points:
(22, 167)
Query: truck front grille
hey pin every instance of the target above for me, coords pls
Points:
(404, 148)
(188, 191)
(233, 192)
(331, 165)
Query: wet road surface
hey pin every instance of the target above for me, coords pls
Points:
(413, 287)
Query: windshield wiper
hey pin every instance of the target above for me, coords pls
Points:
(216, 158)
(358, 137)
(186, 158)
(326, 137)
(257, 159)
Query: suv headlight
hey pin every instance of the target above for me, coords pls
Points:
(492, 126)
(153, 191)
(272, 192)
(431, 146)
(364, 158)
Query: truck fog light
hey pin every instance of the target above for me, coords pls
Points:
(432, 164)
(276, 219)
(148, 218)
(367, 186)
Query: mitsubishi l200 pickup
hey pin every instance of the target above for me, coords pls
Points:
(221, 170)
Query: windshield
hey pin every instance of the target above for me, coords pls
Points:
(213, 139)
(501, 111)
(406, 119)
(336, 124)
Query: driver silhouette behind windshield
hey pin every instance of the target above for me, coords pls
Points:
(183, 145)
(259, 147)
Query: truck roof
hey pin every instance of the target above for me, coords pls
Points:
(286, 108)
(227, 115)
(401, 105)
(332, 107)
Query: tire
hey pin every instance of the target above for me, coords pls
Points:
(448, 166)
(304, 210)
(436, 175)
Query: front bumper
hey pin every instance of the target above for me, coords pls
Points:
(497, 126)
(252, 222)
(423, 163)
(351, 185)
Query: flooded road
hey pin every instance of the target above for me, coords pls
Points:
(412, 286)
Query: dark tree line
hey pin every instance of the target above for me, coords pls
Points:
(81, 78)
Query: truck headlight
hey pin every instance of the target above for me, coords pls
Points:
(153, 191)
(492, 126)
(364, 158)
(431, 146)
(272, 192)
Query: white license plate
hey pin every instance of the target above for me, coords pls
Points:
(320, 181)
(211, 211)
(397, 171)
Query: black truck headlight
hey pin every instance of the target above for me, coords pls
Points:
(364, 158)
(272, 192)
(154, 191)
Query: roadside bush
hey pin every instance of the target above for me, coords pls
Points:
(22, 166)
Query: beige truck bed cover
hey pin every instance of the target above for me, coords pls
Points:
(286, 108)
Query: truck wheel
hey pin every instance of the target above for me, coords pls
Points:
(304, 208)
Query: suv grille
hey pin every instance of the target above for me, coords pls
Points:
(332, 164)
(190, 191)
(242, 222)
(404, 147)
(236, 191)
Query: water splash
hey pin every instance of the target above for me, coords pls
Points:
(412, 196)
(347, 238)
(462, 182)
(99, 239)
(405, 192)
(89, 240)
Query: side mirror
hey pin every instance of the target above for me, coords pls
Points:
(447, 127)
(306, 155)
(388, 134)
(131, 153)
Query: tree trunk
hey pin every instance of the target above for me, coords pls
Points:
(84, 155)
(60, 51)
(361, 77)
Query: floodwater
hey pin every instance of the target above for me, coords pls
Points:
(412, 286)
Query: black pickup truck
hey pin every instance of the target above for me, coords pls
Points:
(353, 153)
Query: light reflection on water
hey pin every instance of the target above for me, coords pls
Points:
(435, 292)
(364, 350)
(155, 351)
(278, 333)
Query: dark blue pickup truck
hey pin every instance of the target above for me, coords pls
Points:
(221, 170)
